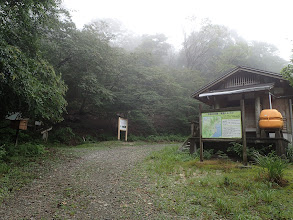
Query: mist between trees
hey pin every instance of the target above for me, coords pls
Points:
(50, 70)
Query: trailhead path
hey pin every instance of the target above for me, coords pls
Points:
(96, 185)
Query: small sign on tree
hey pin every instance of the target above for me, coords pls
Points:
(122, 126)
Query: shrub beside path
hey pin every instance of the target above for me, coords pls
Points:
(93, 186)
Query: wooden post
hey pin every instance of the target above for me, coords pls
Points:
(192, 144)
(126, 131)
(242, 105)
(257, 113)
(192, 129)
(119, 128)
(280, 148)
(200, 134)
(291, 118)
(16, 137)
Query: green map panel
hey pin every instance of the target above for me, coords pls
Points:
(221, 124)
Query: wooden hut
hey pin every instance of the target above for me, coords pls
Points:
(257, 90)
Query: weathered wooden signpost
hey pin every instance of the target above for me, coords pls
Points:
(18, 123)
(122, 126)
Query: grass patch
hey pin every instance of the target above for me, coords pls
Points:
(182, 186)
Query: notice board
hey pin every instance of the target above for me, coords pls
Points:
(226, 124)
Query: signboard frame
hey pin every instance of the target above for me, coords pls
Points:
(122, 126)
(243, 129)
(226, 121)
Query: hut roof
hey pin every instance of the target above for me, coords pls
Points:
(234, 71)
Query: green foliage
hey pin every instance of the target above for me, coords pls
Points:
(165, 160)
(2, 152)
(133, 138)
(43, 53)
(273, 165)
(287, 73)
(24, 150)
(166, 138)
(158, 138)
(207, 153)
(4, 168)
(222, 155)
(214, 49)
(238, 149)
(62, 135)
(211, 189)
(31, 150)
(290, 152)
(28, 83)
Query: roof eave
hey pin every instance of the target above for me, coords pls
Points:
(231, 72)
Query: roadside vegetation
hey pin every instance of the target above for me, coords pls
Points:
(218, 188)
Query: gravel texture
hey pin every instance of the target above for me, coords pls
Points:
(94, 186)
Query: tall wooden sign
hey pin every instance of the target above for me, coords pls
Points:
(122, 126)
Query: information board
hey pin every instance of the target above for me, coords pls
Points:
(221, 124)
(123, 124)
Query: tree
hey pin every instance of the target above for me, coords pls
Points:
(201, 48)
(287, 72)
(88, 64)
(153, 49)
(29, 83)
(264, 56)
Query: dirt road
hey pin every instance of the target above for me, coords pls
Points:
(94, 186)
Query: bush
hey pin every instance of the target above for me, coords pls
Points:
(158, 138)
(274, 165)
(105, 137)
(290, 152)
(2, 152)
(238, 149)
(135, 138)
(207, 154)
(62, 135)
(30, 150)
(4, 168)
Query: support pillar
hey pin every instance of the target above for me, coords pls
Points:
(200, 134)
(280, 148)
(291, 118)
(257, 113)
(242, 105)
(192, 146)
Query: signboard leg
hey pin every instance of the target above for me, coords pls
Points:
(119, 128)
(126, 131)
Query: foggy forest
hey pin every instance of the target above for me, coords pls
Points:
(85, 78)
(65, 90)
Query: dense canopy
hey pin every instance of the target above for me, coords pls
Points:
(108, 71)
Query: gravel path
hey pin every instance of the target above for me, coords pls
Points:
(91, 187)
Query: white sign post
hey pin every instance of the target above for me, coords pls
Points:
(122, 126)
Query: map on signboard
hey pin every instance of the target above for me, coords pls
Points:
(221, 124)
(212, 126)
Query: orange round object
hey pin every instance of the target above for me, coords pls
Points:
(270, 118)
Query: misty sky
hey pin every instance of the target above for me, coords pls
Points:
(269, 21)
